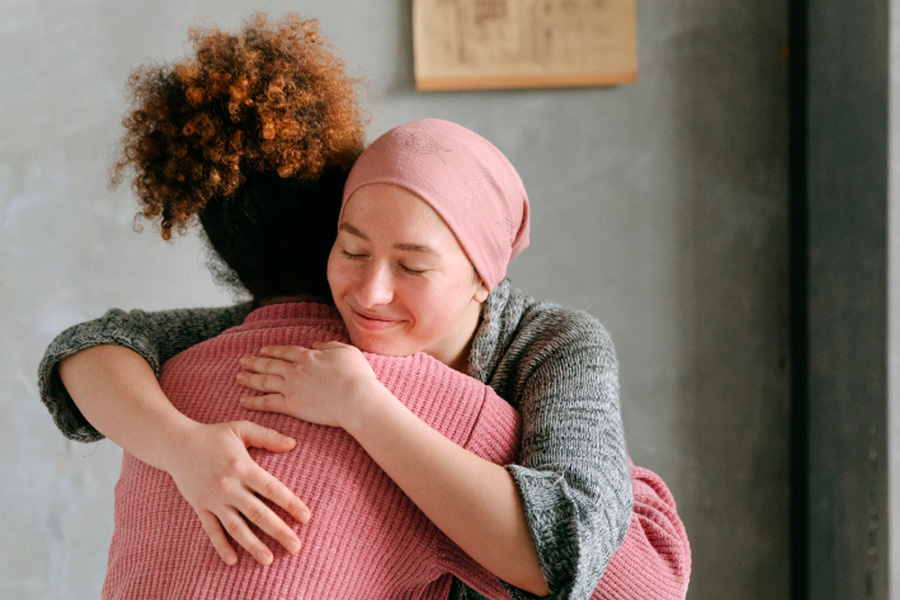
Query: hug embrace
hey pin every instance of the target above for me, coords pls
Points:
(387, 417)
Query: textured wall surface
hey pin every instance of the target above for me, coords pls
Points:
(659, 207)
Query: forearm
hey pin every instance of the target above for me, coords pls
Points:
(472, 500)
(117, 392)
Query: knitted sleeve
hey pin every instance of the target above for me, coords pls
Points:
(156, 336)
(572, 472)
(558, 367)
(654, 560)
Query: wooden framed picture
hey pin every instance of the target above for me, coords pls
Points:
(478, 44)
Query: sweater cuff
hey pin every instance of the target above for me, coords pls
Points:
(572, 552)
(107, 330)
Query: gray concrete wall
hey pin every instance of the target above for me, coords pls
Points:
(658, 207)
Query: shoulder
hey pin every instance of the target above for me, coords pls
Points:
(521, 335)
(419, 377)
(546, 328)
(550, 322)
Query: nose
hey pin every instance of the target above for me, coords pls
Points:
(375, 287)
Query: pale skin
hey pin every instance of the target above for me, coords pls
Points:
(402, 285)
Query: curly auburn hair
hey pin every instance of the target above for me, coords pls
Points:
(268, 100)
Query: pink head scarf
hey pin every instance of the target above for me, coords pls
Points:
(464, 178)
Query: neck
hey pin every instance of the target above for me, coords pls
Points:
(458, 358)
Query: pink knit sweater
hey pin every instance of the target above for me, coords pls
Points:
(654, 560)
(366, 539)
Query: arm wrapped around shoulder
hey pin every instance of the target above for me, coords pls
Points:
(654, 561)
(156, 336)
(572, 474)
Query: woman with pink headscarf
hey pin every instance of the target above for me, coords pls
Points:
(419, 193)
(432, 214)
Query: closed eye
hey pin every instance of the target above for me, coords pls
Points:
(351, 256)
(412, 271)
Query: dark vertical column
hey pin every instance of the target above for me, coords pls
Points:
(839, 298)
(798, 301)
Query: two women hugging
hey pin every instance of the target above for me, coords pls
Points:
(387, 408)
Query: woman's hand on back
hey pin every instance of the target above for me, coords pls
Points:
(473, 501)
(117, 392)
(224, 485)
(325, 384)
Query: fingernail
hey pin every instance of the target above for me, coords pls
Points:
(293, 546)
(266, 559)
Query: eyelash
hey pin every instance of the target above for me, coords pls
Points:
(351, 256)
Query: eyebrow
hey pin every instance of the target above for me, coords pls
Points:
(353, 231)
(407, 247)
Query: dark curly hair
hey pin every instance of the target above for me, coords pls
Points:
(253, 135)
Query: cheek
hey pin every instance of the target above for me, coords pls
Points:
(337, 273)
(438, 307)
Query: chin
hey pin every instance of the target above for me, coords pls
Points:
(375, 346)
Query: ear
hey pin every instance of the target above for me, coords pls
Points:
(481, 293)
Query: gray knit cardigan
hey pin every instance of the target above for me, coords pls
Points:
(555, 365)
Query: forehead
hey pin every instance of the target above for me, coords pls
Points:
(384, 210)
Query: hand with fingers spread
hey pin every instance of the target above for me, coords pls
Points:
(324, 384)
(117, 391)
(226, 487)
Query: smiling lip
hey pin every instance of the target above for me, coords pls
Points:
(371, 322)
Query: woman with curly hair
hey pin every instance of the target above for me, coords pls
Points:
(215, 138)
(205, 138)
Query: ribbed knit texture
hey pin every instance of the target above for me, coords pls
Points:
(366, 539)
(654, 560)
(556, 366)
